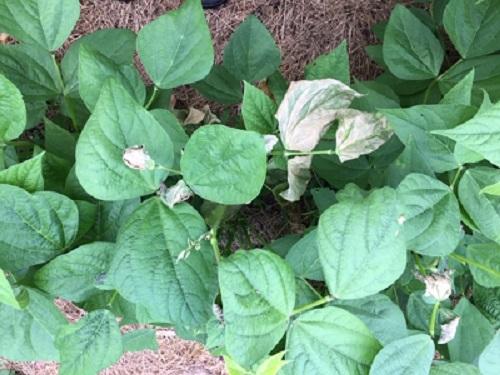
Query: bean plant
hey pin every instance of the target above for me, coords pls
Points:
(114, 199)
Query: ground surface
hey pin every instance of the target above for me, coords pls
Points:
(303, 29)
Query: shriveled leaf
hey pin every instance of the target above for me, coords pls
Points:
(119, 122)
(258, 293)
(360, 133)
(485, 265)
(333, 65)
(225, 165)
(35, 227)
(329, 341)
(90, 345)
(258, 110)
(308, 109)
(298, 177)
(26, 175)
(186, 55)
(354, 268)
(176, 194)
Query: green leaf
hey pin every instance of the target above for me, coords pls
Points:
(489, 360)
(303, 258)
(220, 86)
(59, 141)
(485, 264)
(175, 131)
(28, 334)
(461, 93)
(26, 175)
(12, 111)
(74, 275)
(258, 110)
(333, 65)
(487, 300)
(32, 69)
(411, 355)
(411, 50)
(354, 268)
(418, 124)
(251, 54)
(304, 293)
(95, 68)
(111, 216)
(479, 134)
(35, 227)
(90, 345)
(119, 122)
(116, 44)
(329, 341)
(432, 215)
(258, 294)
(278, 86)
(186, 56)
(46, 23)
(418, 311)
(483, 209)
(376, 96)
(473, 334)
(146, 269)
(87, 213)
(455, 368)
(225, 165)
(7, 295)
(380, 314)
(139, 340)
(473, 26)
(323, 198)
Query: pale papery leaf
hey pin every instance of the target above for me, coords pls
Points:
(448, 331)
(270, 141)
(298, 177)
(178, 193)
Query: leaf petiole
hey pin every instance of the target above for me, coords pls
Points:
(152, 98)
(215, 244)
(287, 153)
(170, 170)
(432, 321)
(312, 305)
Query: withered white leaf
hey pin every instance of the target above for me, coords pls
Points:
(270, 141)
(298, 177)
(308, 109)
(448, 331)
(437, 285)
(360, 133)
(178, 193)
(137, 157)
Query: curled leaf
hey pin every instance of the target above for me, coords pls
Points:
(270, 141)
(437, 285)
(448, 331)
(298, 177)
(360, 133)
(136, 157)
(201, 116)
(178, 193)
(308, 109)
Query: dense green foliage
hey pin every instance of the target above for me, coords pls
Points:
(399, 270)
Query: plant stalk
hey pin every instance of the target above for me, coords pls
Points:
(215, 244)
(152, 98)
(471, 262)
(287, 153)
(312, 305)
(432, 322)
(457, 176)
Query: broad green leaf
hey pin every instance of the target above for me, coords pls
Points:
(90, 345)
(411, 50)
(333, 65)
(323, 198)
(55, 172)
(87, 213)
(461, 93)
(418, 311)
(278, 86)
(479, 134)
(258, 293)
(35, 227)
(354, 268)
(12, 111)
(303, 258)
(146, 269)
(46, 23)
(95, 68)
(473, 334)
(119, 122)
(26, 175)
(329, 341)
(225, 165)
(454, 368)
(282, 245)
(186, 55)
(487, 300)
(272, 365)
(411, 355)
(258, 110)
(174, 130)
(116, 44)
(417, 124)
(308, 109)
(59, 141)
(360, 133)
(74, 275)
(485, 265)
(220, 86)
(7, 295)
(28, 334)
(35, 112)
(32, 69)
(139, 340)
(489, 360)
(483, 209)
(251, 53)
(380, 314)
(432, 215)
(473, 26)
(376, 96)
(111, 216)
(304, 293)
(298, 177)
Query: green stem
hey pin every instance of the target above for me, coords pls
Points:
(2, 159)
(287, 153)
(215, 244)
(419, 264)
(112, 299)
(457, 176)
(169, 170)
(20, 143)
(152, 98)
(432, 322)
(471, 262)
(312, 305)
